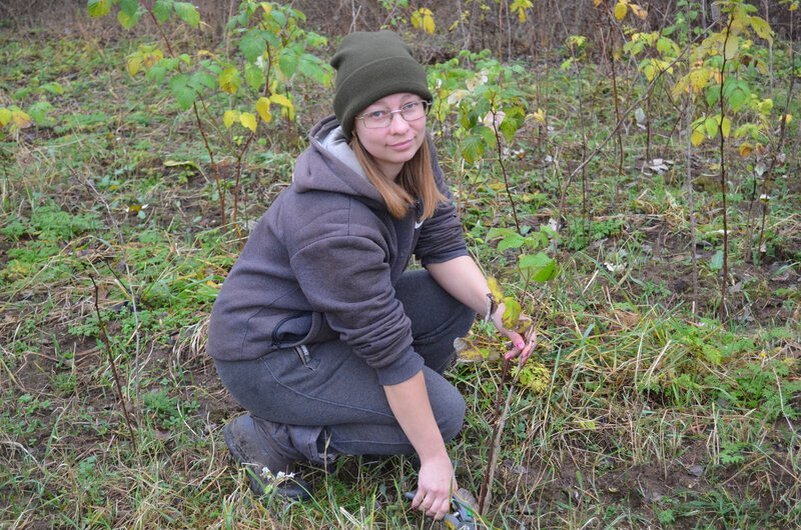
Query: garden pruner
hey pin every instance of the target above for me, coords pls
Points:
(462, 516)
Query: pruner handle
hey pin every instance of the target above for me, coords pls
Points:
(461, 516)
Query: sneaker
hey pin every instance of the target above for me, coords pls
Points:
(269, 460)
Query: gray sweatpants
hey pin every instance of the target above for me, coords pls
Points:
(336, 390)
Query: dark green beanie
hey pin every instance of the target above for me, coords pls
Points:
(370, 66)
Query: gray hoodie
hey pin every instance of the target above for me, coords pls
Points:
(322, 263)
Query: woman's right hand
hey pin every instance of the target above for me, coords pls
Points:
(435, 486)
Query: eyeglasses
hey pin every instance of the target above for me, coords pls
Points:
(378, 119)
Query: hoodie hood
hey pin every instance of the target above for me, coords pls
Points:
(330, 165)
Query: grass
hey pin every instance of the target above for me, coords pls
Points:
(654, 413)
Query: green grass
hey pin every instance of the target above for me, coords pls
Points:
(655, 413)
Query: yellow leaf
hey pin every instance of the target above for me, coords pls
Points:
(534, 376)
(5, 117)
(638, 11)
(230, 117)
(495, 288)
(248, 120)
(428, 24)
(20, 119)
(134, 65)
(263, 109)
(731, 47)
(597, 2)
(649, 70)
(538, 116)
(697, 137)
(725, 127)
(267, 6)
(467, 352)
(745, 149)
(620, 10)
(229, 80)
(282, 100)
(699, 78)
(511, 313)
(423, 19)
(762, 28)
(788, 118)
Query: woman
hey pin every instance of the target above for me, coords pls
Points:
(318, 331)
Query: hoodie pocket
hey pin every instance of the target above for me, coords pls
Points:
(302, 328)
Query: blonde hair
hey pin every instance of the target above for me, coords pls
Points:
(415, 181)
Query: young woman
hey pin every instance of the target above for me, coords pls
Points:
(319, 332)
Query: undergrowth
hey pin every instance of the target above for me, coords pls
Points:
(649, 411)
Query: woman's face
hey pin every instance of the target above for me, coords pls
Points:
(395, 144)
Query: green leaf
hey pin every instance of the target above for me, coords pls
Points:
(252, 45)
(472, 148)
(738, 98)
(254, 76)
(188, 13)
(39, 110)
(505, 235)
(129, 7)
(127, 21)
(713, 95)
(513, 240)
(711, 126)
(312, 67)
(162, 10)
(201, 80)
(183, 93)
(540, 267)
(157, 73)
(716, 262)
(278, 16)
(98, 8)
(54, 88)
(288, 63)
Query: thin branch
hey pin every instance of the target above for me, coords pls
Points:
(107, 343)
(723, 188)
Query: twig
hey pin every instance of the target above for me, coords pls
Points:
(499, 147)
(768, 182)
(722, 103)
(485, 493)
(104, 338)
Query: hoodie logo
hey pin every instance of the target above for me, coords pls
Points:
(418, 224)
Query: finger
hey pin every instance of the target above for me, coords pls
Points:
(418, 499)
(439, 508)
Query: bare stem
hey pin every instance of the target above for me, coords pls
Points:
(723, 188)
(107, 343)
(485, 493)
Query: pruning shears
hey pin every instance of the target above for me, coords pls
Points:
(462, 516)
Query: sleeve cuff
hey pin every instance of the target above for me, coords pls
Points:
(399, 371)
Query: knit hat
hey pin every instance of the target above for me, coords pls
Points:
(370, 66)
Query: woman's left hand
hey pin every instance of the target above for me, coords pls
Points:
(522, 345)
